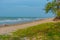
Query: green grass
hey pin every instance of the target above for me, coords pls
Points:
(46, 31)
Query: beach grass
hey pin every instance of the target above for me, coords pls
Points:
(45, 31)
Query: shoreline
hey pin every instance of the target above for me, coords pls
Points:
(11, 28)
(5, 25)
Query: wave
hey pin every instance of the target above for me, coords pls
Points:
(11, 20)
(17, 20)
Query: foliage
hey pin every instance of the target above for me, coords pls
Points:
(46, 31)
(53, 7)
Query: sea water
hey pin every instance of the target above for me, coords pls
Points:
(14, 20)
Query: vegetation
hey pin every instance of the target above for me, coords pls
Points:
(46, 31)
(53, 7)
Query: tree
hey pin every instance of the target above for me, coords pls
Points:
(54, 7)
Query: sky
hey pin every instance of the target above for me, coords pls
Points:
(23, 8)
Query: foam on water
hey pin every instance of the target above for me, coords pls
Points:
(16, 20)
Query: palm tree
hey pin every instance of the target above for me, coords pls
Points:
(54, 7)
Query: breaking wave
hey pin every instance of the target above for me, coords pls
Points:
(17, 20)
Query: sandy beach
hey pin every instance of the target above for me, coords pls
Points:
(11, 28)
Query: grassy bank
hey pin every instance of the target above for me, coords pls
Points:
(46, 31)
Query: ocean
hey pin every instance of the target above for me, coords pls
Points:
(15, 20)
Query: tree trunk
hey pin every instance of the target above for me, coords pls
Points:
(56, 18)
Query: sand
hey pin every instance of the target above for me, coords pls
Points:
(11, 28)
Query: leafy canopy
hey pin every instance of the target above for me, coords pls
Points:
(53, 7)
